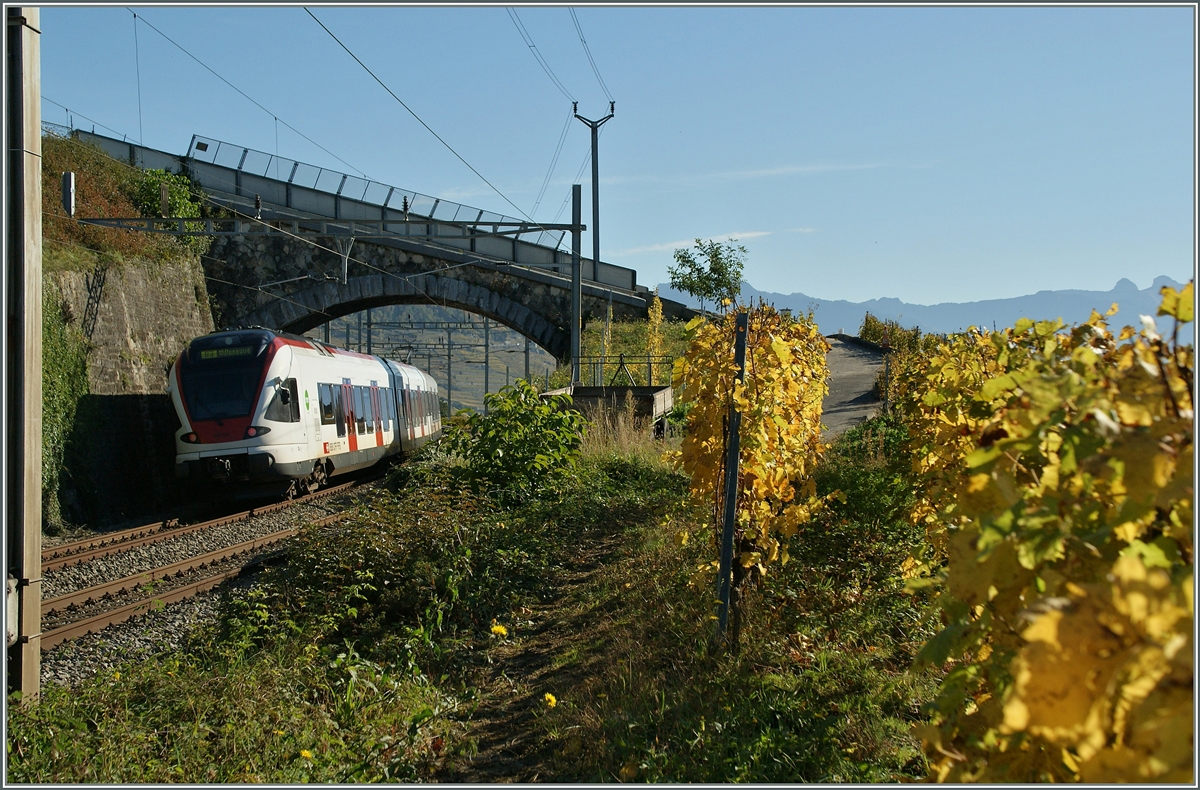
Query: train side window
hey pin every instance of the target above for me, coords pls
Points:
(284, 405)
(339, 411)
(384, 409)
(358, 411)
(368, 409)
(325, 396)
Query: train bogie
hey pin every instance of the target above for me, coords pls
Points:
(256, 406)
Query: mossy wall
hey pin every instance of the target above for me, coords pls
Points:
(133, 319)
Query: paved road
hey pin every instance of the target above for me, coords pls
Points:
(852, 372)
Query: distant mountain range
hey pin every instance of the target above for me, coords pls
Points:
(835, 315)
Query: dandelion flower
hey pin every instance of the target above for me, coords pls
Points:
(499, 630)
(306, 754)
(116, 676)
(550, 700)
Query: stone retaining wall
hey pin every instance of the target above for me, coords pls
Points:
(138, 317)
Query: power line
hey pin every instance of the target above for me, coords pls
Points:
(244, 95)
(419, 120)
(588, 52)
(516, 20)
(562, 138)
(578, 175)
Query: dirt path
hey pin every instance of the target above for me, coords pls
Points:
(548, 648)
(556, 644)
(851, 399)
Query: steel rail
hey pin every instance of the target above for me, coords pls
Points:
(103, 620)
(60, 556)
(99, 622)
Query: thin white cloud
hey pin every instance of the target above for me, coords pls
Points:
(749, 234)
(685, 243)
(743, 175)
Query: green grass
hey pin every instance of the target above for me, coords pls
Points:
(372, 651)
(820, 689)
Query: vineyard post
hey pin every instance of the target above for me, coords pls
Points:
(887, 371)
(732, 450)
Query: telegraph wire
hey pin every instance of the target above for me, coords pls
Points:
(419, 120)
(516, 20)
(244, 95)
(588, 52)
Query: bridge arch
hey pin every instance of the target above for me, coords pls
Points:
(316, 304)
(306, 289)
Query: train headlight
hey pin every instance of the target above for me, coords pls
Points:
(190, 438)
(255, 430)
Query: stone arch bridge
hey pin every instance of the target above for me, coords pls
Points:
(308, 291)
(289, 283)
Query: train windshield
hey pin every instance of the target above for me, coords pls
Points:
(220, 374)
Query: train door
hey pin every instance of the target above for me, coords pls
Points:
(309, 407)
(377, 413)
(397, 387)
(351, 416)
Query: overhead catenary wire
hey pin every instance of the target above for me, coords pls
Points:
(81, 115)
(137, 65)
(528, 39)
(400, 101)
(245, 95)
(588, 52)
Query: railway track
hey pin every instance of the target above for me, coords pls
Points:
(80, 551)
(89, 609)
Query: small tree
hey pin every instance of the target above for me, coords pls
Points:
(522, 444)
(182, 201)
(713, 273)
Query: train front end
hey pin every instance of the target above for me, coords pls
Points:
(238, 409)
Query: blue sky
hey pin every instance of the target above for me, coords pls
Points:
(929, 154)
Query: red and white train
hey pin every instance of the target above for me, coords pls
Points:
(258, 406)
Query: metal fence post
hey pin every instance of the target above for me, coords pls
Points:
(732, 450)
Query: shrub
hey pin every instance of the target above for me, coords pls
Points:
(520, 444)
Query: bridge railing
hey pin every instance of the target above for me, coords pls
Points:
(220, 167)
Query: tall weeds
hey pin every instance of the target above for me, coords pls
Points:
(620, 432)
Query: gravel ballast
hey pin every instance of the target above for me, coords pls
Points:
(170, 627)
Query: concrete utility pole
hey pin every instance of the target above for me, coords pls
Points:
(595, 127)
(22, 390)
